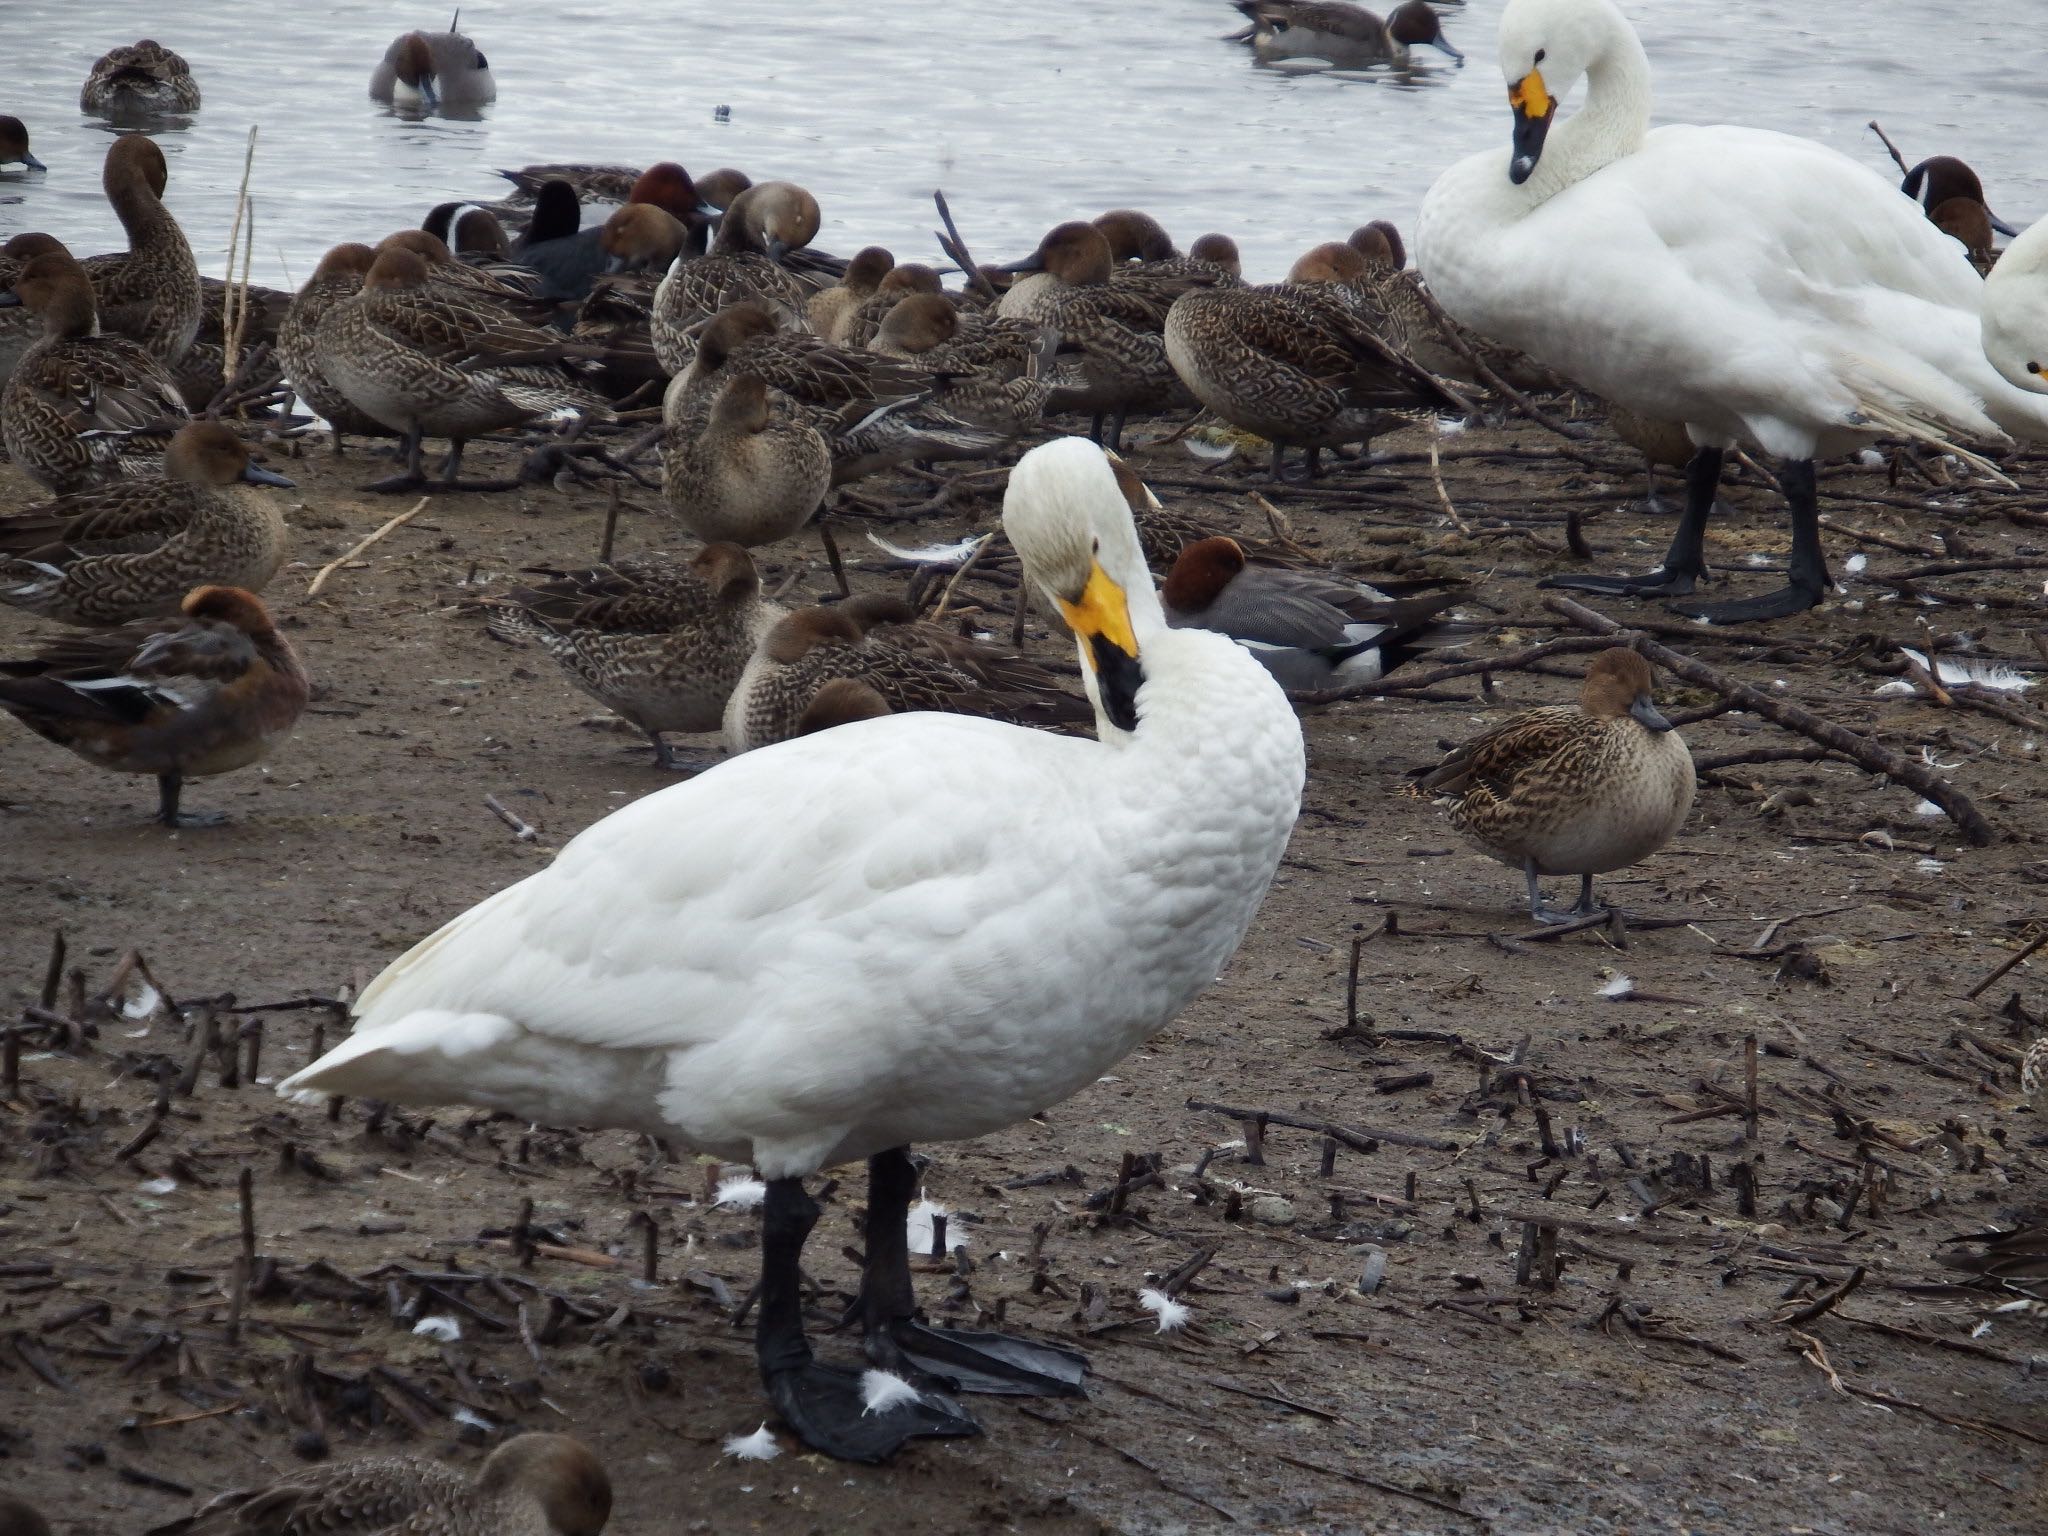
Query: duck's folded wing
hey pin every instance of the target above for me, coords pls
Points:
(120, 389)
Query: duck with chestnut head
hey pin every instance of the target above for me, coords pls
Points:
(439, 72)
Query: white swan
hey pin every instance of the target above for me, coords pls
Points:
(921, 927)
(2016, 311)
(1760, 288)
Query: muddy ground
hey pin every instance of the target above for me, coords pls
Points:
(1362, 1355)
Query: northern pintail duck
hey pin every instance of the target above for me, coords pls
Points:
(532, 1485)
(19, 325)
(81, 408)
(1113, 320)
(150, 291)
(884, 663)
(339, 276)
(476, 238)
(1298, 362)
(142, 79)
(749, 470)
(923, 927)
(1140, 246)
(1408, 323)
(434, 72)
(743, 266)
(468, 281)
(1308, 629)
(133, 549)
(987, 371)
(860, 327)
(1134, 235)
(1343, 35)
(14, 148)
(658, 643)
(831, 310)
(417, 356)
(1764, 289)
(1942, 179)
(872, 411)
(208, 692)
(1573, 789)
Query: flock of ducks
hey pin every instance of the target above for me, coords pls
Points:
(795, 986)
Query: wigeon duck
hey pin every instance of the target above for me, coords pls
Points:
(133, 549)
(743, 266)
(859, 328)
(532, 1485)
(1763, 289)
(418, 356)
(2014, 327)
(434, 72)
(1573, 789)
(884, 662)
(830, 310)
(1308, 629)
(1348, 36)
(14, 148)
(924, 927)
(749, 470)
(569, 257)
(1299, 362)
(1116, 326)
(205, 693)
(143, 79)
(872, 411)
(658, 643)
(149, 292)
(989, 372)
(81, 408)
(339, 276)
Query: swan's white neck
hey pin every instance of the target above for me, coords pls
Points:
(1611, 123)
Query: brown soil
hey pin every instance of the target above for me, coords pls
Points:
(1652, 1388)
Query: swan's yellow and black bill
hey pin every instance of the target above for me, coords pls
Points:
(1534, 108)
(1101, 616)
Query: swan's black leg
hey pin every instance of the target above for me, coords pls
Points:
(1685, 561)
(1807, 579)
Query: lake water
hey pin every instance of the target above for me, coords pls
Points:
(1024, 114)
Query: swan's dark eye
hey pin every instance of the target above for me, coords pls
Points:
(1539, 55)
(2033, 367)
(482, 62)
(1095, 546)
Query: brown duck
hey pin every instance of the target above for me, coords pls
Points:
(149, 292)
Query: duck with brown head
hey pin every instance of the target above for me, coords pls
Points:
(441, 72)
(209, 692)
(1300, 363)
(531, 1485)
(659, 643)
(905, 278)
(990, 372)
(1348, 36)
(149, 292)
(421, 356)
(765, 223)
(141, 80)
(133, 549)
(1573, 789)
(80, 408)
(339, 276)
(14, 150)
(831, 310)
(569, 258)
(19, 327)
(753, 472)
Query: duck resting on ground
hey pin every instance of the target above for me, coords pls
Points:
(1759, 288)
(1573, 789)
(806, 984)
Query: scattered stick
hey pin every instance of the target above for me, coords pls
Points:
(319, 581)
(520, 829)
(1410, 681)
(1859, 749)
(1363, 1139)
(611, 525)
(1436, 479)
(2012, 963)
(1825, 1302)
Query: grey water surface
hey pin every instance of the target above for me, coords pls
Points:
(1026, 114)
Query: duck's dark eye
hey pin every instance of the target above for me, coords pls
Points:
(1539, 55)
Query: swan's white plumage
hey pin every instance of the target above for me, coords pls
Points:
(2016, 311)
(920, 927)
(1758, 287)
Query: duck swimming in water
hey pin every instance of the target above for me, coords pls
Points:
(1348, 36)
(1762, 289)
(440, 72)
(804, 985)
(143, 79)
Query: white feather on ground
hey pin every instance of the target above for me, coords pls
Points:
(920, 1224)
(759, 1446)
(740, 1193)
(444, 1330)
(880, 1391)
(1618, 986)
(1957, 671)
(1173, 1315)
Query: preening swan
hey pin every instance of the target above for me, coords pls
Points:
(1760, 288)
(911, 928)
